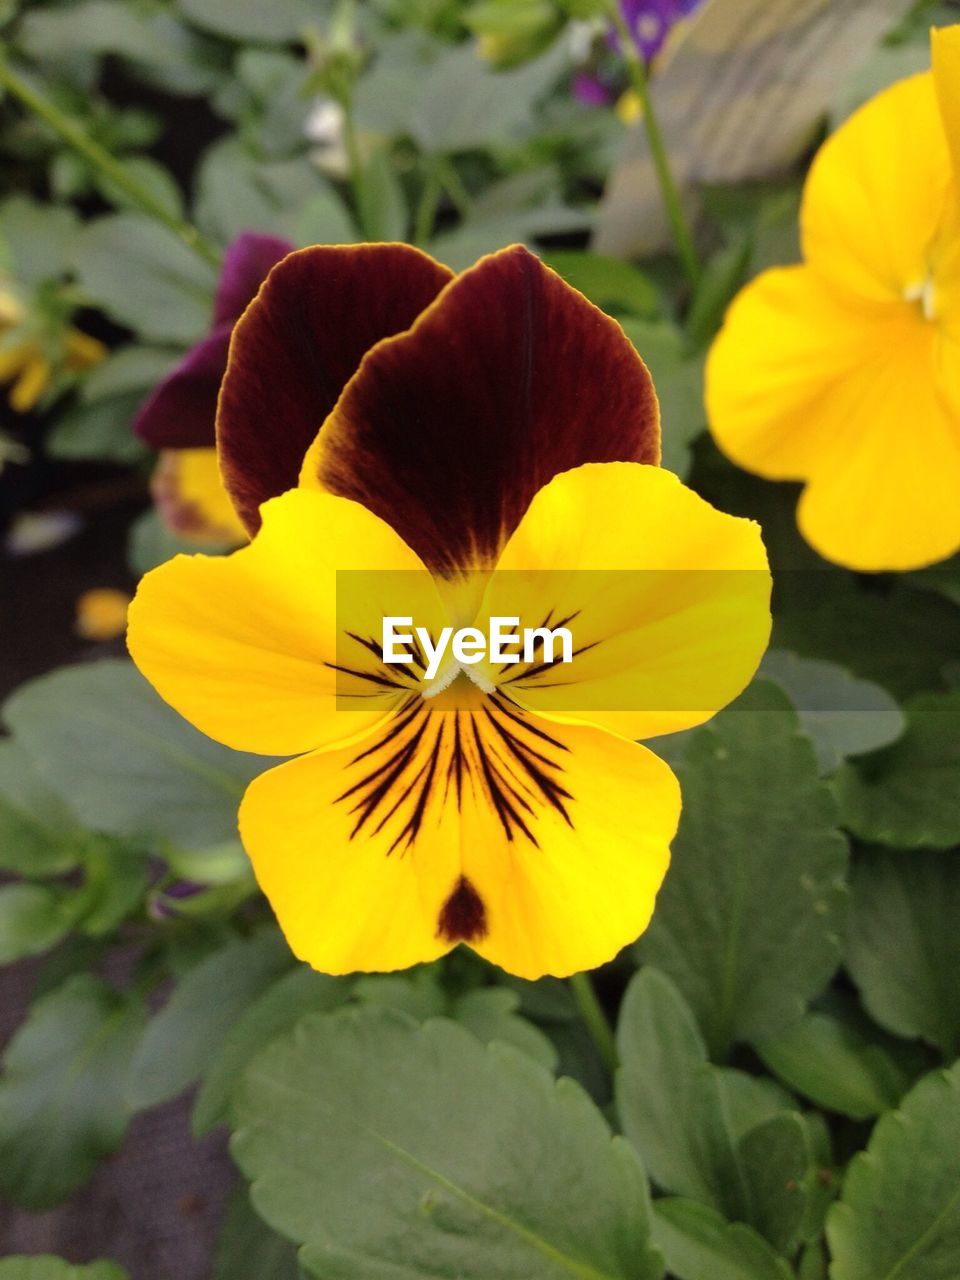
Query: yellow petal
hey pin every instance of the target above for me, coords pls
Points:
(667, 600)
(540, 846)
(945, 47)
(200, 486)
(585, 885)
(30, 385)
(787, 342)
(877, 193)
(804, 384)
(247, 646)
(884, 495)
(82, 351)
(345, 901)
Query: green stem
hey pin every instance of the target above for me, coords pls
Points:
(601, 1033)
(637, 71)
(426, 214)
(354, 162)
(110, 167)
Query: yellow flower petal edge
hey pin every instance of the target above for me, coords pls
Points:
(245, 646)
(669, 599)
(945, 47)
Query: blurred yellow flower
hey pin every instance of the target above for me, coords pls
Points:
(845, 372)
(191, 499)
(25, 359)
(102, 613)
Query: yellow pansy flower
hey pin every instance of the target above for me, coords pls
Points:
(844, 372)
(488, 446)
(25, 360)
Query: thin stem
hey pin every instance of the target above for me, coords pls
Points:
(110, 167)
(426, 214)
(601, 1033)
(354, 162)
(637, 71)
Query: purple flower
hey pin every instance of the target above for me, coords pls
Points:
(180, 412)
(591, 90)
(651, 21)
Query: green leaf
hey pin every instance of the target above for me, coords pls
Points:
(491, 1014)
(277, 1010)
(151, 543)
(899, 1215)
(62, 1090)
(394, 1150)
(698, 1244)
(382, 204)
(38, 239)
(841, 715)
(713, 1135)
(902, 639)
(150, 176)
(33, 918)
(722, 276)
(100, 430)
(145, 278)
(132, 368)
(247, 1249)
(903, 949)
(748, 921)
(324, 219)
(908, 795)
(832, 1064)
(454, 102)
(129, 764)
(278, 22)
(39, 836)
(186, 1035)
(610, 283)
(46, 1267)
(678, 378)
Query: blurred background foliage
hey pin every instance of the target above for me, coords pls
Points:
(800, 978)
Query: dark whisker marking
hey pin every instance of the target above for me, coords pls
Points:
(504, 707)
(371, 676)
(506, 812)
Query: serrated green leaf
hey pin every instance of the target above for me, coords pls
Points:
(102, 739)
(899, 1215)
(47, 1267)
(832, 1064)
(62, 1089)
(491, 1014)
(908, 795)
(699, 1244)
(39, 836)
(841, 715)
(748, 921)
(404, 1153)
(903, 949)
(713, 1135)
(144, 277)
(185, 1036)
(279, 1008)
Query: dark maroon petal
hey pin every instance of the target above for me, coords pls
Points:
(318, 314)
(246, 264)
(181, 410)
(447, 431)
